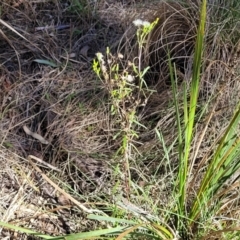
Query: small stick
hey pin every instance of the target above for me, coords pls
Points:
(44, 163)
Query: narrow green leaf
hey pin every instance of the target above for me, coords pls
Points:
(96, 233)
(27, 231)
(46, 62)
(111, 219)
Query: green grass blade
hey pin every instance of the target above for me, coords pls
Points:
(111, 219)
(190, 111)
(195, 79)
(27, 231)
(46, 62)
(184, 146)
(224, 163)
(91, 234)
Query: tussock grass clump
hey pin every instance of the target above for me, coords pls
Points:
(138, 106)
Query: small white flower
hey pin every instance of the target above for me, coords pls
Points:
(120, 56)
(138, 22)
(129, 78)
(146, 24)
(99, 56)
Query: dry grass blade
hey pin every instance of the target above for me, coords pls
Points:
(44, 163)
(17, 54)
(12, 29)
(218, 234)
(68, 196)
(201, 138)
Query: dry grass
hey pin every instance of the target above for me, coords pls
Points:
(69, 107)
